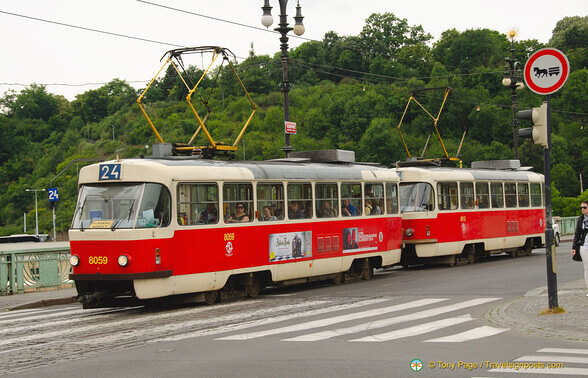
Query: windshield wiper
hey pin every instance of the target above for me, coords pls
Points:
(129, 212)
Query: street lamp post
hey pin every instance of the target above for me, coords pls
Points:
(267, 20)
(36, 213)
(513, 78)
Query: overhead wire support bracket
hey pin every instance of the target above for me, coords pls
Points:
(412, 98)
(176, 54)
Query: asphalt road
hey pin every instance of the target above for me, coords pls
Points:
(435, 315)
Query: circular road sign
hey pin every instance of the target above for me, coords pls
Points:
(546, 71)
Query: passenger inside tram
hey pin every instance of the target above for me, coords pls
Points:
(240, 214)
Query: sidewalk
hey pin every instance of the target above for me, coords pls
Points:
(37, 299)
(523, 313)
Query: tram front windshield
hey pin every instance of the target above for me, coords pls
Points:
(119, 206)
(416, 196)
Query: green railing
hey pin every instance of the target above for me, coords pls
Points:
(34, 269)
(567, 225)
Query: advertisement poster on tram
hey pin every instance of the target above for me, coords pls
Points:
(290, 245)
(360, 239)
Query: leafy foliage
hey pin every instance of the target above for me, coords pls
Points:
(350, 93)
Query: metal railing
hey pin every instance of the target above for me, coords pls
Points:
(567, 225)
(34, 269)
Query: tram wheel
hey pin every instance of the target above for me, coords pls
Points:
(338, 278)
(210, 297)
(513, 253)
(452, 261)
(252, 290)
(471, 257)
(367, 271)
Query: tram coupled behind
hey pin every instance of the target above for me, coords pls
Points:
(458, 213)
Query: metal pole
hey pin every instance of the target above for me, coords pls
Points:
(513, 86)
(515, 123)
(283, 29)
(36, 216)
(549, 244)
(54, 236)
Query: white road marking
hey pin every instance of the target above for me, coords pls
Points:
(334, 320)
(573, 360)
(265, 316)
(563, 350)
(472, 334)
(551, 372)
(416, 330)
(391, 321)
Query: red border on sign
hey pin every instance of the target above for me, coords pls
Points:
(565, 71)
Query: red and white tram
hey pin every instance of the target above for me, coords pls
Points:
(158, 227)
(447, 213)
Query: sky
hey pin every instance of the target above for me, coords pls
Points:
(34, 51)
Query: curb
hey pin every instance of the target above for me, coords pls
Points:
(44, 303)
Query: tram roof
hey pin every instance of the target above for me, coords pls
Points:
(466, 174)
(181, 168)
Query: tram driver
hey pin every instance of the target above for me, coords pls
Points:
(209, 215)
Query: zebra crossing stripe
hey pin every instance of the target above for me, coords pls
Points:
(572, 360)
(549, 372)
(391, 321)
(563, 350)
(266, 317)
(417, 330)
(472, 334)
(334, 320)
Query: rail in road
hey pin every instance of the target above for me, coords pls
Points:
(33, 266)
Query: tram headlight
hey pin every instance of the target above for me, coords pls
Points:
(409, 232)
(123, 260)
(74, 260)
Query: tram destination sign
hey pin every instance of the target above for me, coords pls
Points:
(546, 71)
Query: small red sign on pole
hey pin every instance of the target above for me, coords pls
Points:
(290, 127)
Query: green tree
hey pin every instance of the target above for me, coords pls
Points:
(33, 102)
(384, 34)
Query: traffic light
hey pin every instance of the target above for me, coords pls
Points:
(539, 130)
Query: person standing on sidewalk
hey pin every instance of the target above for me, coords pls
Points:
(580, 244)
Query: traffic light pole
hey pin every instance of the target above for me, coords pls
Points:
(549, 245)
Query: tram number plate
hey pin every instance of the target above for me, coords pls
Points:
(110, 172)
(98, 260)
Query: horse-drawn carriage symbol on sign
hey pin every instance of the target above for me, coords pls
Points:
(546, 71)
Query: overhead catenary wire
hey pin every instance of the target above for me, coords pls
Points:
(90, 29)
(308, 65)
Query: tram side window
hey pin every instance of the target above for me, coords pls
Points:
(447, 195)
(536, 195)
(351, 199)
(237, 202)
(496, 195)
(482, 195)
(467, 195)
(416, 196)
(299, 200)
(270, 201)
(523, 189)
(374, 199)
(391, 198)
(197, 203)
(327, 200)
(510, 194)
